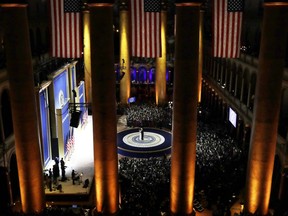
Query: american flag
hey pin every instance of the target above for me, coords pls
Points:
(66, 28)
(227, 25)
(146, 28)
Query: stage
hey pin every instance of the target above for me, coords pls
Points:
(155, 143)
(82, 161)
(152, 143)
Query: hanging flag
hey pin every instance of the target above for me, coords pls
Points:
(145, 28)
(227, 25)
(66, 28)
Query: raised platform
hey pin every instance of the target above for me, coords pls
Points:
(82, 161)
(154, 143)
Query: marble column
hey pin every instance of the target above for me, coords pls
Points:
(185, 101)
(266, 108)
(21, 80)
(87, 55)
(161, 67)
(200, 69)
(125, 82)
(104, 108)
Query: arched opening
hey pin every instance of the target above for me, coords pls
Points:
(6, 114)
(14, 179)
(142, 75)
(283, 115)
(228, 75)
(151, 74)
(245, 87)
(133, 74)
(276, 178)
(238, 83)
(233, 80)
(4, 188)
(252, 93)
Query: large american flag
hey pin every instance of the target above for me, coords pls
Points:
(227, 25)
(145, 28)
(66, 28)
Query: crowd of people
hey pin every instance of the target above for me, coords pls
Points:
(148, 115)
(144, 185)
(220, 168)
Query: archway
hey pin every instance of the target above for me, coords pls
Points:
(6, 114)
(14, 179)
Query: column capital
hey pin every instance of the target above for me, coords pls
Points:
(123, 5)
(100, 2)
(188, 2)
(275, 3)
(13, 2)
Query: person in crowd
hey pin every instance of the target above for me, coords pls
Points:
(75, 176)
(63, 167)
(141, 133)
(86, 183)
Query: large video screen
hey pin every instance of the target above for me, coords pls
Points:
(232, 117)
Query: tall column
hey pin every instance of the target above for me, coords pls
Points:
(104, 108)
(266, 108)
(125, 82)
(87, 55)
(160, 78)
(21, 80)
(185, 102)
(200, 69)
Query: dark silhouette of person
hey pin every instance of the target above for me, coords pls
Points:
(141, 133)
(50, 183)
(75, 177)
(50, 173)
(56, 171)
(59, 187)
(86, 183)
(63, 167)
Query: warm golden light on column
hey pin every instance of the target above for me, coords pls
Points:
(125, 83)
(185, 101)
(200, 70)
(266, 108)
(104, 109)
(22, 94)
(160, 78)
(87, 56)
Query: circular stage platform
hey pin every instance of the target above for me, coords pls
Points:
(154, 143)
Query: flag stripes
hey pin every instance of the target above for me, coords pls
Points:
(145, 31)
(66, 31)
(226, 31)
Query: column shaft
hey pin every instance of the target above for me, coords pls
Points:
(87, 56)
(266, 108)
(185, 109)
(200, 70)
(104, 108)
(21, 80)
(160, 78)
(125, 83)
